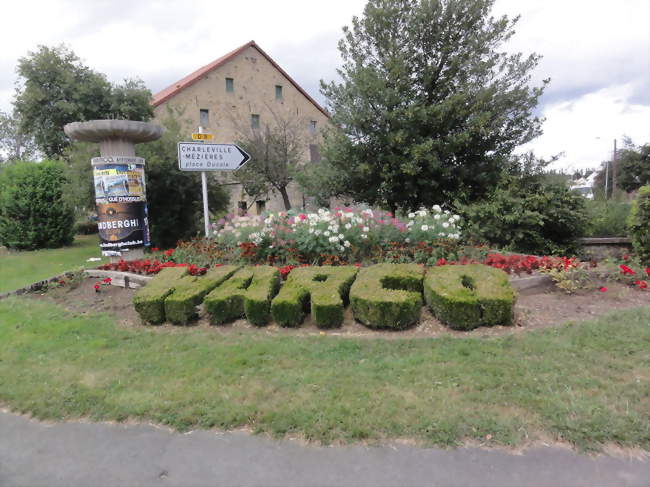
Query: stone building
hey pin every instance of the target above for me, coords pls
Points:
(236, 95)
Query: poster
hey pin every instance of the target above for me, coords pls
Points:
(120, 196)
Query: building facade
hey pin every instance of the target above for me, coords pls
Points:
(237, 95)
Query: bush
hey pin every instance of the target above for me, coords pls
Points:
(180, 305)
(149, 301)
(388, 295)
(469, 296)
(326, 287)
(33, 212)
(536, 218)
(639, 225)
(247, 293)
(607, 218)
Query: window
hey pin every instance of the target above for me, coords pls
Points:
(312, 127)
(230, 85)
(260, 206)
(255, 121)
(314, 153)
(204, 117)
(278, 92)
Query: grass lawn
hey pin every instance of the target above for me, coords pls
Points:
(585, 383)
(18, 269)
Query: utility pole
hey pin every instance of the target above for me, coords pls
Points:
(204, 187)
(614, 170)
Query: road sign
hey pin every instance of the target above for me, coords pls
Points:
(197, 156)
(202, 136)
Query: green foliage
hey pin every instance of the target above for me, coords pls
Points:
(180, 305)
(247, 293)
(429, 106)
(529, 216)
(33, 210)
(388, 295)
(468, 296)
(149, 301)
(80, 192)
(639, 225)
(326, 287)
(15, 144)
(633, 167)
(173, 196)
(56, 89)
(607, 218)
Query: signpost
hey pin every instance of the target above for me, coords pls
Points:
(199, 156)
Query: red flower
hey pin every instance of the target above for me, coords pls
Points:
(61, 282)
(169, 252)
(441, 262)
(641, 284)
(107, 280)
(603, 289)
(626, 270)
(626, 257)
(357, 265)
(155, 249)
(647, 270)
(96, 286)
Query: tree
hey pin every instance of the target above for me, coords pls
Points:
(428, 107)
(56, 89)
(15, 145)
(174, 197)
(633, 167)
(276, 156)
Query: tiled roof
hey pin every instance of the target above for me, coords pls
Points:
(192, 78)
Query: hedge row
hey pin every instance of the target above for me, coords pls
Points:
(466, 297)
(247, 293)
(327, 289)
(388, 296)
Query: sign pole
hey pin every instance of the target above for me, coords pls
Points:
(204, 186)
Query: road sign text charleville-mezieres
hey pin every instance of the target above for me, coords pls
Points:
(197, 156)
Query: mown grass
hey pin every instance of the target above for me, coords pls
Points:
(583, 383)
(18, 269)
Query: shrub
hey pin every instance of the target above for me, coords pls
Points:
(149, 301)
(607, 218)
(33, 211)
(538, 218)
(388, 295)
(639, 225)
(469, 296)
(326, 287)
(180, 305)
(247, 293)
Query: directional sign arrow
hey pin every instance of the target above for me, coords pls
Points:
(197, 156)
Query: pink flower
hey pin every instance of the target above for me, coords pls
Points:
(603, 289)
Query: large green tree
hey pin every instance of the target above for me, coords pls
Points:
(55, 88)
(429, 106)
(633, 166)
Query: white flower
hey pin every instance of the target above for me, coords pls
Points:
(411, 215)
(456, 217)
(341, 236)
(318, 232)
(411, 223)
(341, 248)
(364, 236)
(333, 239)
(407, 240)
(311, 230)
(424, 228)
(346, 243)
(436, 217)
(366, 229)
(422, 212)
(326, 233)
(348, 226)
(437, 208)
(445, 225)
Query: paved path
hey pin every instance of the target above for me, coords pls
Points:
(34, 454)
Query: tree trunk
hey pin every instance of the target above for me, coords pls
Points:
(285, 198)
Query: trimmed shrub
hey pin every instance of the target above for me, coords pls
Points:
(326, 287)
(149, 301)
(247, 293)
(180, 305)
(639, 225)
(388, 295)
(468, 296)
(33, 211)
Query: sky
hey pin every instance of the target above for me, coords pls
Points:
(596, 52)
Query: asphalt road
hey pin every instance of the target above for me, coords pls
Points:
(34, 454)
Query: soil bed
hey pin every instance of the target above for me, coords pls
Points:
(538, 308)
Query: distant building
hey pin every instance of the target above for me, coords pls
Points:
(237, 93)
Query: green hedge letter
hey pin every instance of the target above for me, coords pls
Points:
(326, 287)
(247, 293)
(468, 296)
(180, 305)
(149, 300)
(388, 295)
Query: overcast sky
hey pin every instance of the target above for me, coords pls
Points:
(596, 52)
